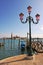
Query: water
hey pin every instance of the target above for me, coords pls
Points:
(10, 49)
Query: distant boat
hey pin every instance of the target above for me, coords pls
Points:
(1, 44)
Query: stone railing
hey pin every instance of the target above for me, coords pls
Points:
(37, 46)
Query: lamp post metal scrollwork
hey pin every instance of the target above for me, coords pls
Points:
(29, 19)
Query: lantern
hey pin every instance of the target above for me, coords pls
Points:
(21, 16)
(29, 9)
(37, 17)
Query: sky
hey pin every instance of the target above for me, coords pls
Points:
(9, 17)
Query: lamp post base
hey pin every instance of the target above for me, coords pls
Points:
(29, 51)
(31, 57)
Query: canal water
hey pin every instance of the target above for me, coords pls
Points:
(10, 48)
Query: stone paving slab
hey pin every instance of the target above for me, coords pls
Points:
(23, 60)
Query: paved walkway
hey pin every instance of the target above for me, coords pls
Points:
(23, 60)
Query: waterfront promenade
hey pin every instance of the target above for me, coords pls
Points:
(23, 60)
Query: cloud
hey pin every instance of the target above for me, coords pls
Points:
(41, 27)
(37, 35)
(23, 35)
(4, 35)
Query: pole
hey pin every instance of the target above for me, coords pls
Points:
(11, 40)
(29, 31)
(29, 48)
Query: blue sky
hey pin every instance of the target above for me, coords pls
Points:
(9, 16)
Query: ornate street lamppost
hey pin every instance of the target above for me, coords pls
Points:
(29, 19)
